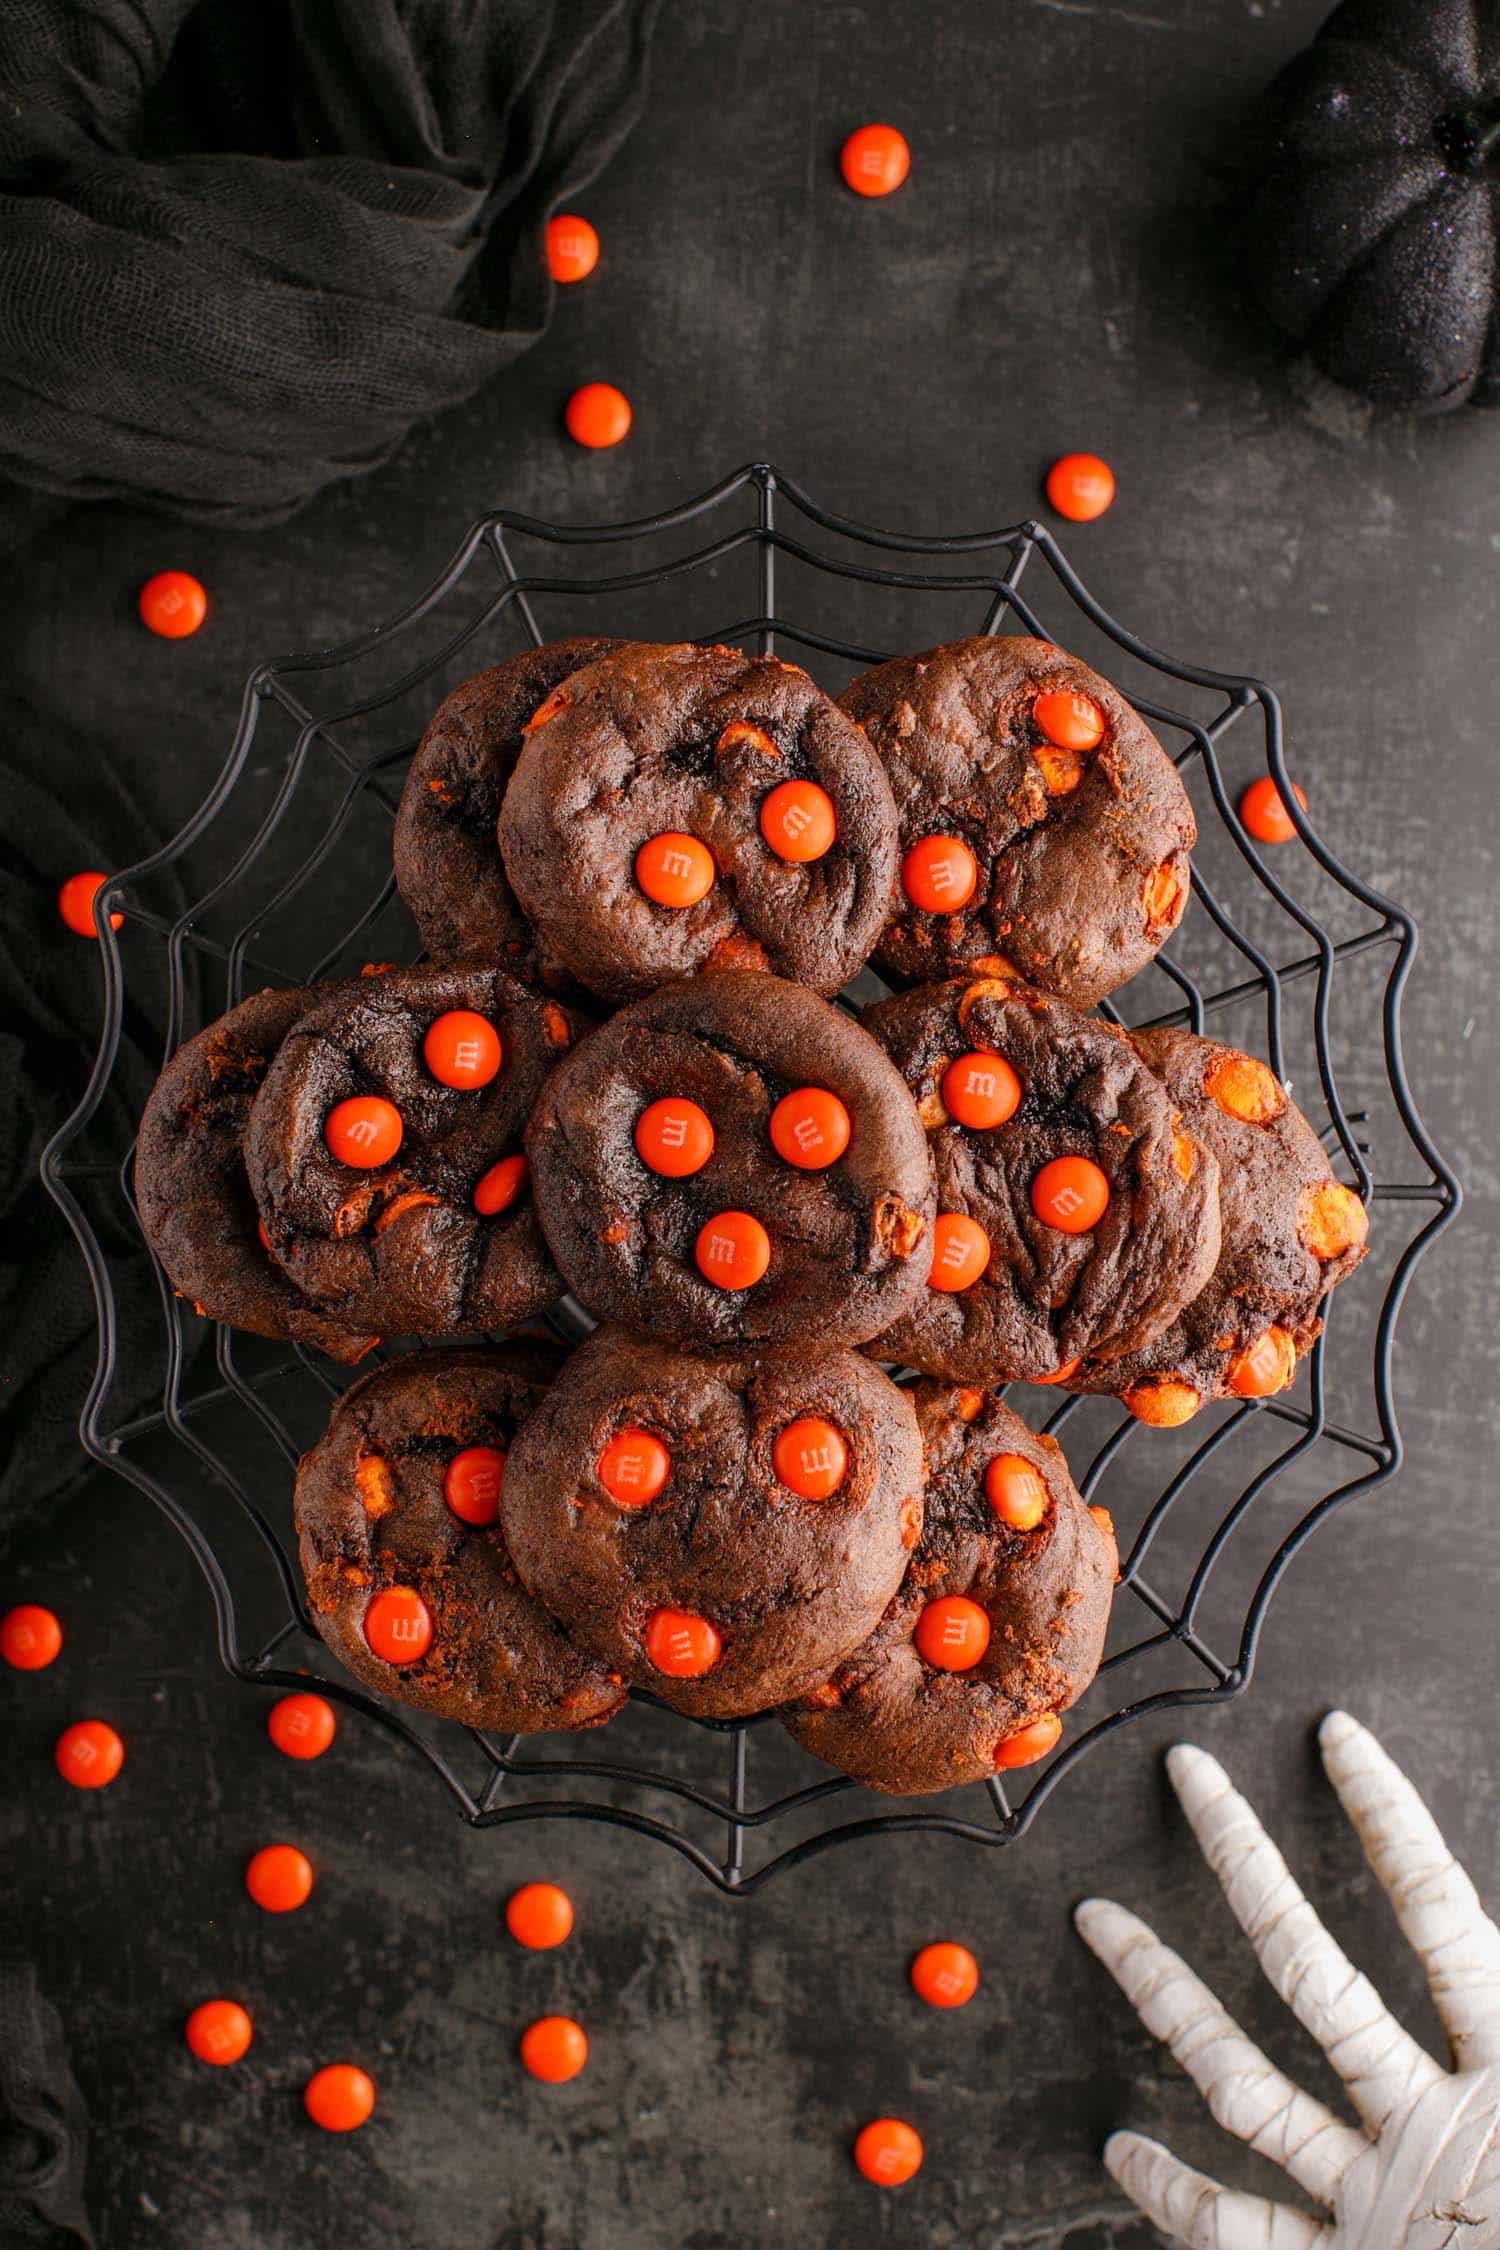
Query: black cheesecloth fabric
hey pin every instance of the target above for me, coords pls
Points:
(43, 2124)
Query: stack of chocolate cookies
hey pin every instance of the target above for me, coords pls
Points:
(780, 1474)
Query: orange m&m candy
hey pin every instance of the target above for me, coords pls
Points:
(810, 1457)
(75, 903)
(952, 1633)
(279, 1878)
(173, 604)
(1263, 811)
(339, 2097)
(682, 1645)
(940, 874)
(1071, 1194)
(89, 1754)
(398, 1625)
(1016, 1490)
(810, 1128)
(572, 247)
(365, 1130)
(888, 2152)
(1072, 722)
(945, 1975)
(462, 1049)
(498, 1188)
(1264, 1367)
(1027, 1744)
(539, 1916)
(875, 160)
(30, 1637)
(674, 1137)
(471, 1484)
(980, 1090)
(960, 1251)
(597, 415)
(301, 1726)
(554, 2049)
(733, 1250)
(798, 821)
(218, 2031)
(1080, 486)
(633, 1468)
(674, 869)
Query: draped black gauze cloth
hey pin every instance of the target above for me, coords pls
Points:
(43, 2124)
(244, 247)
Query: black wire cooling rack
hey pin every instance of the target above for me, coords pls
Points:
(287, 863)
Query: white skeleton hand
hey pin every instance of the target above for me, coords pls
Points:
(1424, 2172)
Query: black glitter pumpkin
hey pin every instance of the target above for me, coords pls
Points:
(1373, 233)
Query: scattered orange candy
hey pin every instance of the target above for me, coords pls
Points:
(940, 874)
(1016, 1490)
(366, 1130)
(875, 160)
(952, 1633)
(498, 1188)
(1263, 811)
(75, 903)
(173, 604)
(674, 1137)
(89, 1754)
(1080, 486)
(810, 1457)
(539, 1916)
(597, 415)
(888, 2152)
(798, 821)
(945, 1975)
(1332, 1220)
(1163, 1405)
(674, 870)
(733, 1250)
(633, 1468)
(682, 1645)
(980, 1090)
(572, 247)
(1264, 1367)
(554, 2049)
(810, 1128)
(279, 1878)
(339, 2097)
(301, 1726)
(1027, 1744)
(398, 1625)
(219, 2032)
(960, 1251)
(30, 1637)
(1071, 1194)
(1072, 722)
(471, 1484)
(462, 1049)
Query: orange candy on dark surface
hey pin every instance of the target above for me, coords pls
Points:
(888, 2152)
(572, 247)
(398, 1625)
(633, 1468)
(674, 1137)
(1264, 1367)
(1080, 486)
(462, 1049)
(940, 874)
(339, 2097)
(554, 2049)
(733, 1250)
(952, 1633)
(798, 821)
(945, 1975)
(960, 1251)
(810, 1128)
(89, 1754)
(301, 1726)
(366, 1131)
(597, 416)
(539, 1916)
(980, 1090)
(875, 160)
(30, 1637)
(810, 1457)
(1263, 812)
(1071, 1194)
(1027, 1744)
(674, 869)
(471, 1484)
(219, 2032)
(279, 1878)
(1070, 722)
(172, 604)
(1016, 1490)
(501, 1186)
(682, 1645)
(75, 903)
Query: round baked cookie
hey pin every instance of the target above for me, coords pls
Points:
(1044, 830)
(448, 865)
(1077, 1215)
(719, 1530)
(685, 808)
(422, 1223)
(1290, 1233)
(732, 1160)
(999, 1623)
(408, 1576)
(191, 1188)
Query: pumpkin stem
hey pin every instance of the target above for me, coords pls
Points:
(1470, 137)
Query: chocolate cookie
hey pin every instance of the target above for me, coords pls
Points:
(408, 1575)
(721, 1531)
(1290, 1232)
(730, 1161)
(448, 865)
(385, 1151)
(999, 1623)
(1076, 1214)
(194, 1199)
(1044, 830)
(681, 808)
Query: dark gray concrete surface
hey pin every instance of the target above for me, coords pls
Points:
(1054, 275)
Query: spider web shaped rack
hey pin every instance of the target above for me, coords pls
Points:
(1251, 941)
